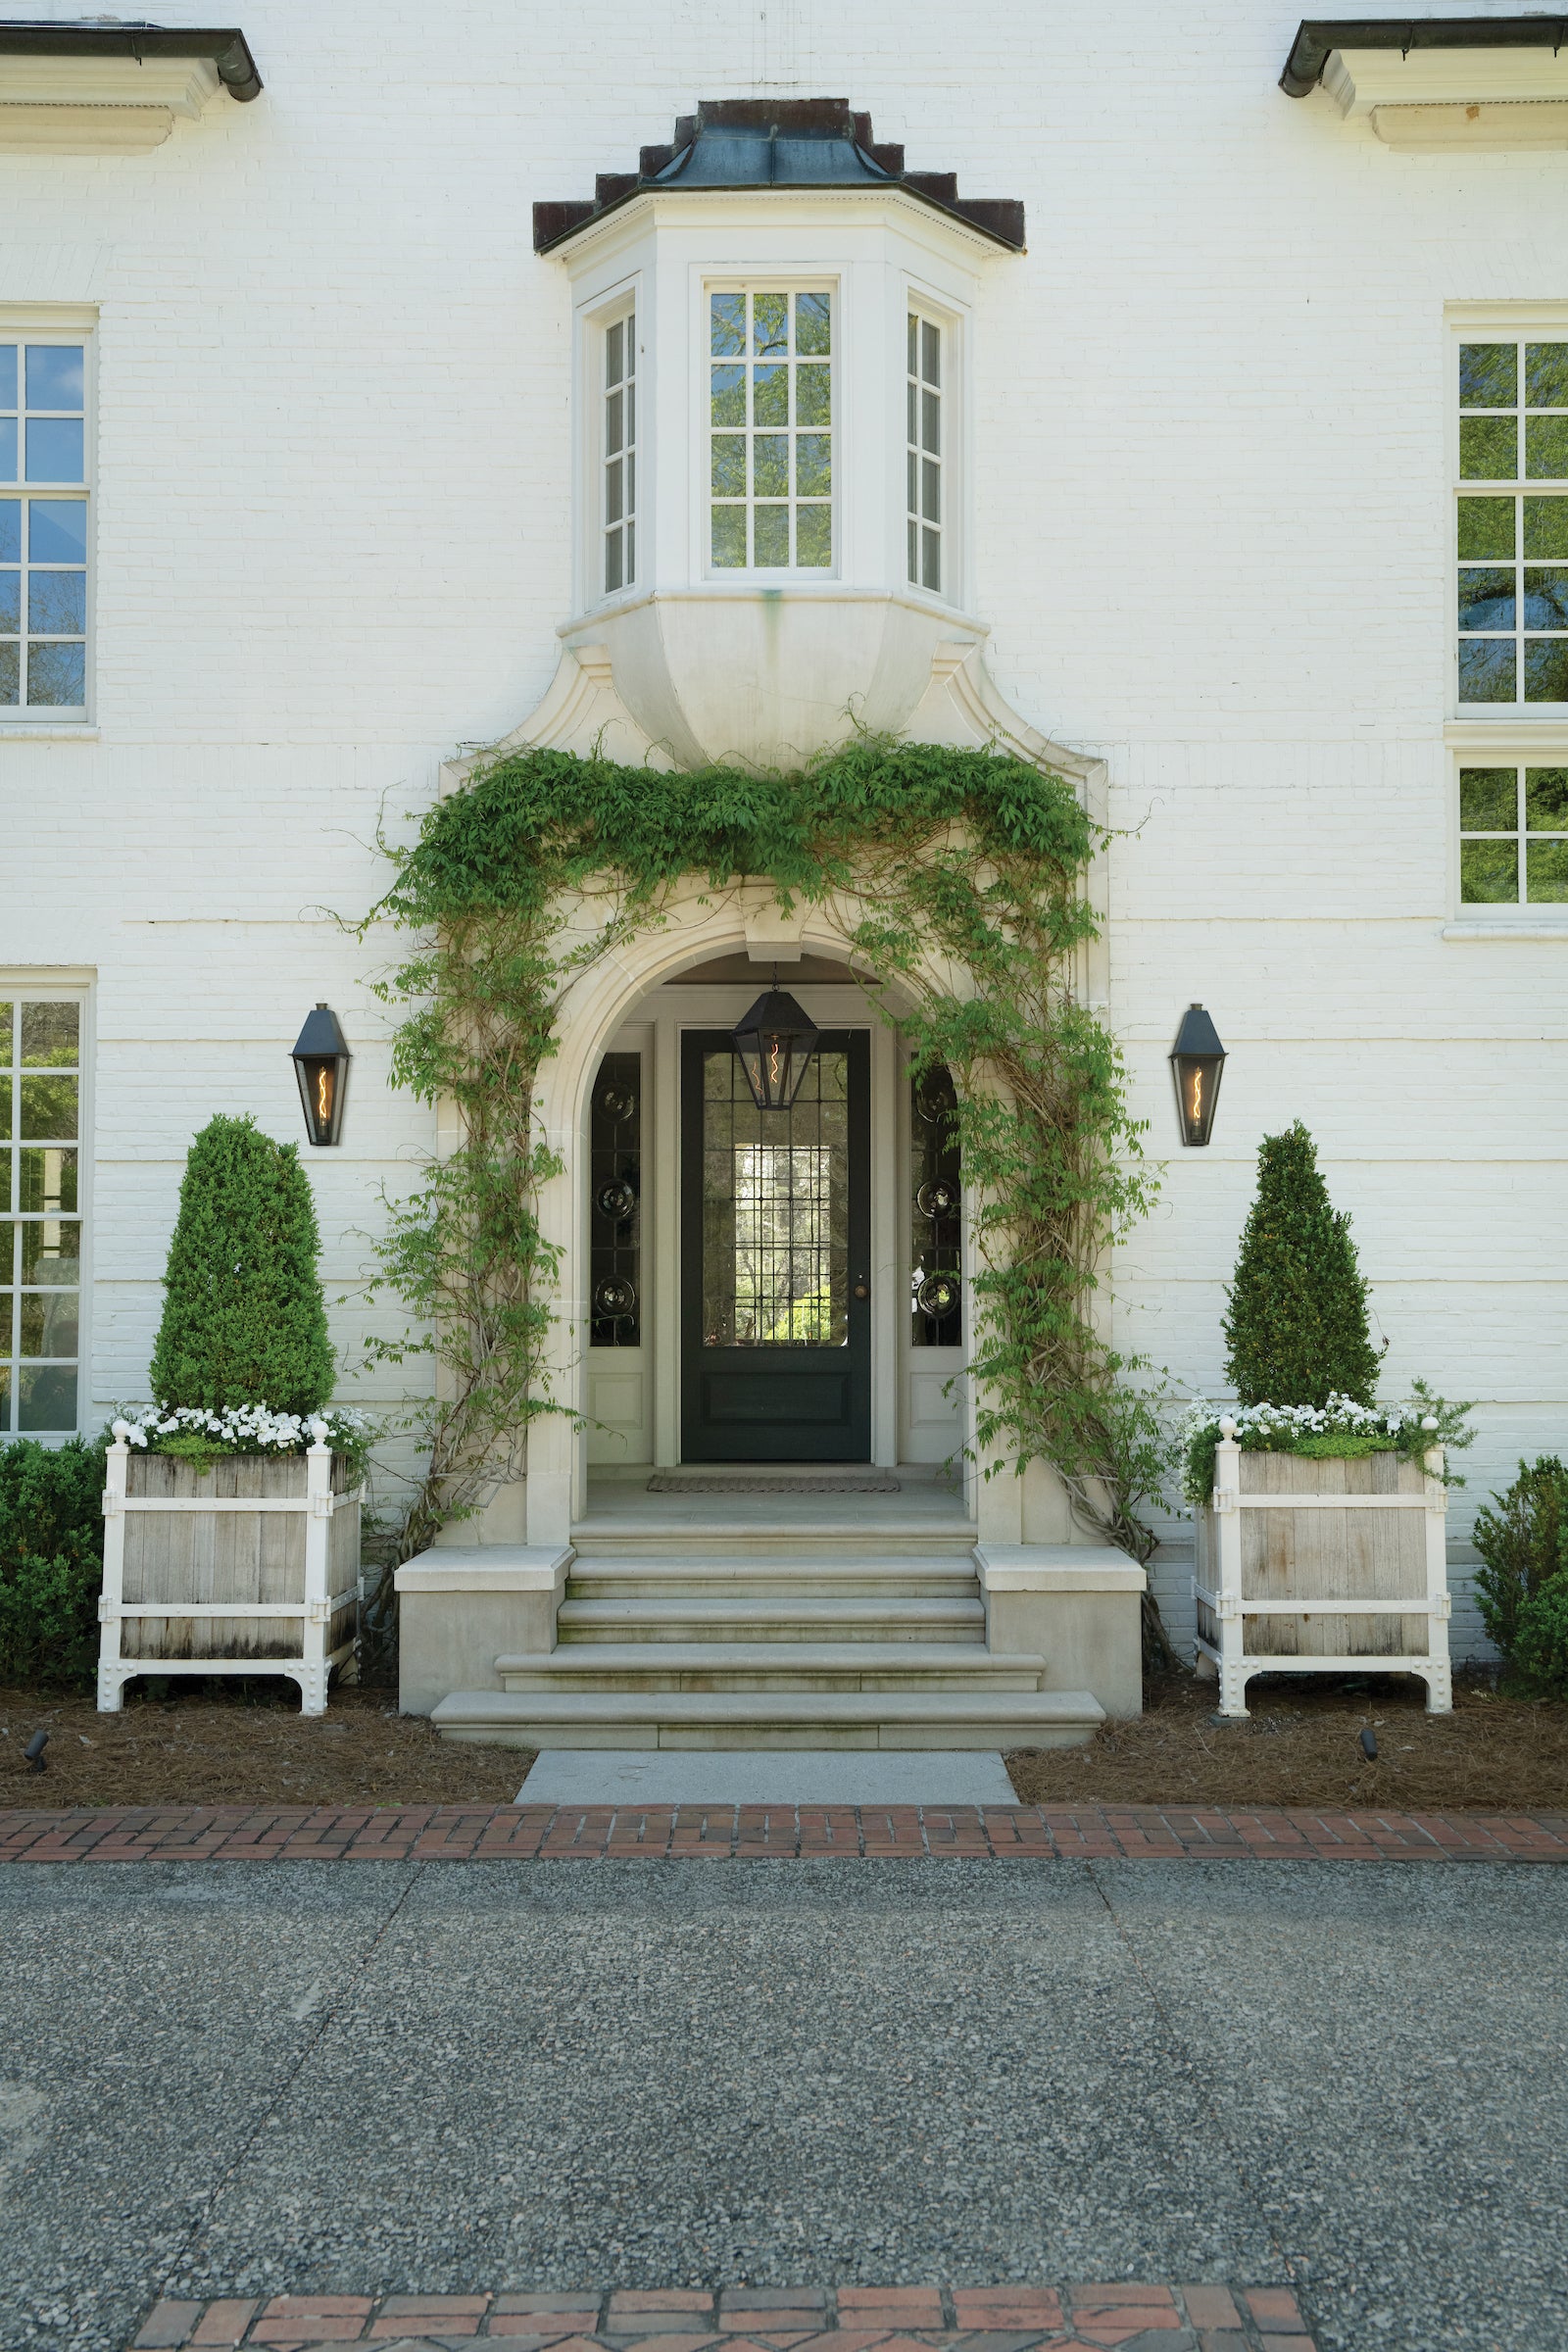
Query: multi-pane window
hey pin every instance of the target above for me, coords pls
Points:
(40, 1229)
(1513, 835)
(620, 453)
(924, 455)
(43, 527)
(1513, 542)
(771, 441)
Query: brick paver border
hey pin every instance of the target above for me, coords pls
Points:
(791, 2318)
(771, 1833)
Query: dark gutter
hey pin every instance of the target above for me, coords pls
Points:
(227, 50)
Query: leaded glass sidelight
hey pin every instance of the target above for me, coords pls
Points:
(936, 1211)
(776, 1210)
(615, 1202)
(40, 1213)
(923, 455)
(1512, 607)
(770, 430)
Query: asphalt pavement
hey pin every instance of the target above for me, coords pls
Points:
(233, 2079)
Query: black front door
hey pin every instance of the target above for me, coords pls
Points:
(776, 1259)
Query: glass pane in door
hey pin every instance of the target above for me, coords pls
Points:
(776, 1210)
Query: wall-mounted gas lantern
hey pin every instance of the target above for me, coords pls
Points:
(1196, 1062)
(320, 1059)
(775, 1042)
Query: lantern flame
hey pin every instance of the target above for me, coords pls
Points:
(324, 1091)
(1198, 1095)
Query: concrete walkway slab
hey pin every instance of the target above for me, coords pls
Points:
(626, 1776)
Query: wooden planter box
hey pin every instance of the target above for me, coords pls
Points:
(1323, 1567)
(251, 1567)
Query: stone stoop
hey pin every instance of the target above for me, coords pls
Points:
(771, 1637)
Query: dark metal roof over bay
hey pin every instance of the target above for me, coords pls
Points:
(748, 143)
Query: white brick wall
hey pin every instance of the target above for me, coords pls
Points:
(1209, 510)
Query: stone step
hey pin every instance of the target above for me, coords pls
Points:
(720, 1719)
(771, 1617)
(780, 1540)
(818, 1572)
(772, 1666)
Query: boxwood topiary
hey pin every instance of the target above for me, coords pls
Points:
(51, 1561)
(244, 1321)
(1296, 1330)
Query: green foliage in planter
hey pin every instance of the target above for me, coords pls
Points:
(51, 1562)
(963, 873)
(1340, 1430)
(1540, 1639)
(1296, 1330)
(1523, 1544)
(244, 1321)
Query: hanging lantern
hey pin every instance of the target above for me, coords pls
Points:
(1196, 1061)
(320, 1059)
(775, 1042)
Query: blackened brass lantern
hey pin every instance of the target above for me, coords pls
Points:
(320, 1059)
(775, 1042)
(1196, 1061)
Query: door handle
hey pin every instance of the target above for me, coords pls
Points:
(862, 1286)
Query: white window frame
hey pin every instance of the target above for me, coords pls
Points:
(917, 389)
(953, 324)
(626, 315)
(594, 317)
(1499, 746)
(803, 280)
(69, 327)
(1499, 322)
(72, 987)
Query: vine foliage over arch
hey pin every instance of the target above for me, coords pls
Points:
(951, 877)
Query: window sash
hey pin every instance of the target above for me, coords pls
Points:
(1513, 833)
(618, 453)
(45, 523)
(925, 451)
(1510, 600)
(44, 1205)
(770, 436)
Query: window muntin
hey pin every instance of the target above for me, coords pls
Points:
(1513, 836)
(924, 487)
(620, 453)
(770, 430)
(1512, 607)
(40, 1219)
(43, 533)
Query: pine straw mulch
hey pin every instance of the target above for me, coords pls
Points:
(1301, 1745)
(248, 1744)
(244, 1746)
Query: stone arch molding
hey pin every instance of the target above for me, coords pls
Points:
(584, 713)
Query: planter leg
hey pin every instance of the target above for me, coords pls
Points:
(1439, 1680)
(1232, 1688)
(111, 1688)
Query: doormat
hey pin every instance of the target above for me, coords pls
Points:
(844, 1482)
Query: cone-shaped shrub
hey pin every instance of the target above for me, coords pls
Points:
(1297, 1329)
(244, 1321)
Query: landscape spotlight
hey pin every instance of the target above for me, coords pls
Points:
(320, 1059)
(1196, 1061)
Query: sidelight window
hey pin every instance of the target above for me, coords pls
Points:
(616, 1180)
(936, 1255)
(925, 487)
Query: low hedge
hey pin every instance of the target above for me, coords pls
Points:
(51, 1562)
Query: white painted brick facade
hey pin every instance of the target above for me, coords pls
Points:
(1210, 509)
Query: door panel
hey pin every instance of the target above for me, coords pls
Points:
(775, 1235)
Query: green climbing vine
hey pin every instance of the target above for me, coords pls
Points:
(955, 881)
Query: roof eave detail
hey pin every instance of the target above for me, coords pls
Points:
(1317, 37)
(893, 190)
(226, 48)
